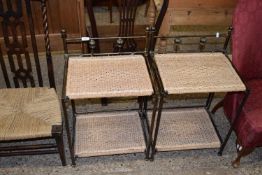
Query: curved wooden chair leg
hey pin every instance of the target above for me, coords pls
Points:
(241, 152)
(219, 105)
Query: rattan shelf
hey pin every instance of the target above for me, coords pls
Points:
(183, 73)
(184, 129)
(108, 134)
(108, 76)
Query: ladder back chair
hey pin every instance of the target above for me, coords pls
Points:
(127, 16)
(29, 111)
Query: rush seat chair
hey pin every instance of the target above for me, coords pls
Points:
(30, 112)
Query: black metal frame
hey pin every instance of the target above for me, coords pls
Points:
(164, 93)
(24, 75)
(142, 100)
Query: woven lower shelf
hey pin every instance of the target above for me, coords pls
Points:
(184, 129)
(108, 134)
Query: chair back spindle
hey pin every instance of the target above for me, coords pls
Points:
(47, 45)
(127, 10)
(13, 22)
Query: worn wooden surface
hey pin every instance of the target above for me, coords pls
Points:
(68, 14)
(198, 12)
(61, 14)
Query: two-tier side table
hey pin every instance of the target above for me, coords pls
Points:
(192, 127)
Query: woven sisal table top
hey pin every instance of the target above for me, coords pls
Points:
(197, 73)
(111, 76)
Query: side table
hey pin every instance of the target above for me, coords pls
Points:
(192, 127)
(112, 76)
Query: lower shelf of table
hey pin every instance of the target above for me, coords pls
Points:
(185, 129)
(108, 134)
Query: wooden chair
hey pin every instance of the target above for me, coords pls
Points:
(127, 14)
(28, 113)
(247, 54)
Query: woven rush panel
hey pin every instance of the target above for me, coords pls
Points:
(27, 113)
(197, 72)
(184, 129)
(108, 134)
(114, 76)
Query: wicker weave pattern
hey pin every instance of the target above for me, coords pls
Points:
(108, 134)
(197, 72)
(115, 76)
(28, 113)
(184, 129)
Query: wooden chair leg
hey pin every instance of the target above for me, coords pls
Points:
(104, 101)
(241, 152)
(147, 6)
(60, 147)
(110, 7)
(219, 105)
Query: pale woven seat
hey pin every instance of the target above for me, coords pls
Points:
(108, 134)
(114, 76)
(197, 72)
(27, 113)
(185, 129)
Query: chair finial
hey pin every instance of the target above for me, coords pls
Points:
(152, 13)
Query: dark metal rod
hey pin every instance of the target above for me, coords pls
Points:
(209, 100)
(135, 109)
(26, 140)
(145, 111)
(161, 100)
(142, 119)
(64, 36)
(192, 51)
(87, 39)
(28, 147)
(214, 125)
(229, 34)
(152, 126)
(72, 154)
(107, 54)
(74, 122)
(19, 153)
(239, 110)
(190, 36)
